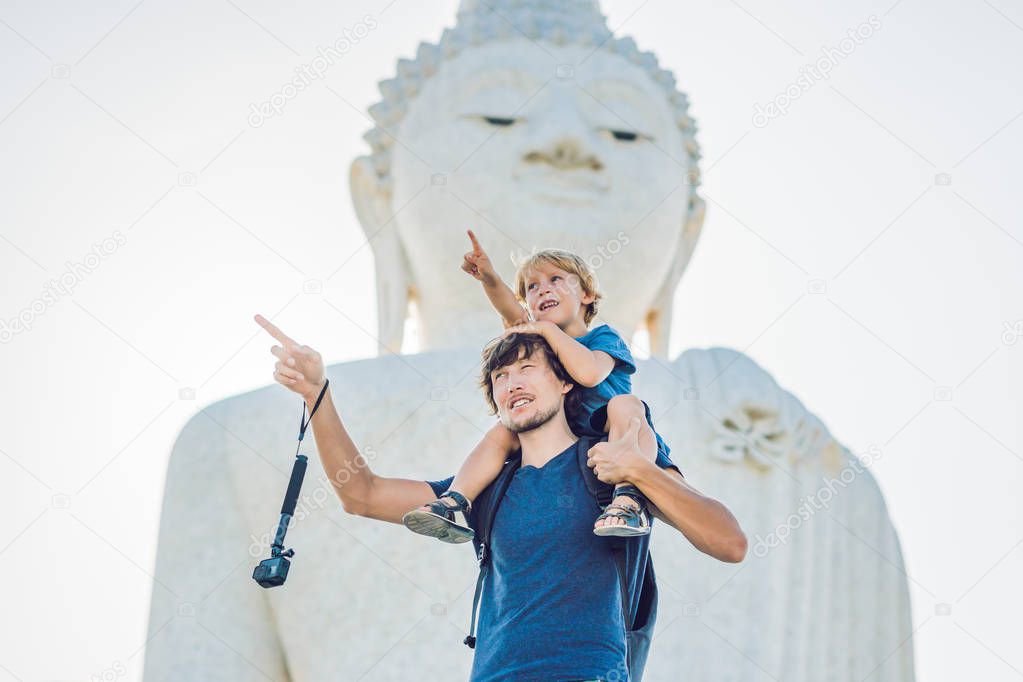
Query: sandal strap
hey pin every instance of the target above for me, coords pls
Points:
(463, 504)
(440, 509)
(621, 510)
(631, 491)
(633, 517)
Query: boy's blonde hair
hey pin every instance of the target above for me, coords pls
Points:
(570, 263)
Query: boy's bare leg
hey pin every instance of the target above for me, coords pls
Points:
(483, 464)
(620, 410)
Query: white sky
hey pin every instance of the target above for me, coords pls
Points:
(923, 280)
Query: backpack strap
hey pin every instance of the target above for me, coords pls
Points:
(486, 510)
(618, 552)
(470, 639)
(603, 493)
(639, 625)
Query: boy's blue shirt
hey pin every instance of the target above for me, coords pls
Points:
(619, 381)
(593, 399)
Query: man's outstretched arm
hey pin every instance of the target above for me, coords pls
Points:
(703, 520)
(362, 492)
(300, 369)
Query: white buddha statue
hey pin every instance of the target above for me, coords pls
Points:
(536, 127)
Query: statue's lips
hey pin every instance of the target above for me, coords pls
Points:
(567, 184)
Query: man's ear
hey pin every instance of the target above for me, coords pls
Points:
(568, 386)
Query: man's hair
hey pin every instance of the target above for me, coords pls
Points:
(504, 351)
(570, 263)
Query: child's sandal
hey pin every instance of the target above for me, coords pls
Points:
(439, 522)
(636, 519)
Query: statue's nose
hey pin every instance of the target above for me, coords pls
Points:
(561, 138)
(565, 151)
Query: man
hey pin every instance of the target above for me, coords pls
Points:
(552, 609)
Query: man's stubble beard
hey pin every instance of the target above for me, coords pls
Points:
(536, 421)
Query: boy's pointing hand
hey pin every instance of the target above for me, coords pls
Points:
(477, 263)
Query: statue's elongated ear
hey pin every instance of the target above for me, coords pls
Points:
(659, 316)
(372, 201)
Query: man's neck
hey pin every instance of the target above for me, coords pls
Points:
(544, 443)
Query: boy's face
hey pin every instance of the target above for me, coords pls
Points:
(527, 392)
(555, 295)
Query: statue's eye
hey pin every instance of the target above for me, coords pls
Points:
(625, 135)
(498, 121)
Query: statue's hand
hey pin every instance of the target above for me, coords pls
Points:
(477, 263)
(298, 367)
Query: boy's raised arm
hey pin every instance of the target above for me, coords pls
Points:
(587, 367)
(477, 264)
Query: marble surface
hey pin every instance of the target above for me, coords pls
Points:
(821, 595)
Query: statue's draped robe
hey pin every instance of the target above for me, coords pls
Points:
(370, 600)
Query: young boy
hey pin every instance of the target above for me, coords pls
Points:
(560, 292)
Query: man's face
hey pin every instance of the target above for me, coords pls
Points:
(527, 393)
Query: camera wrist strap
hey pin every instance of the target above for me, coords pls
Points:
(303, 423)
(298, 470)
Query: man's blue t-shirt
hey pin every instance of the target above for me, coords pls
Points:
(593, 399)
(551, 606)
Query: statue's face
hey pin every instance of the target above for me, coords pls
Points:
(532, 157)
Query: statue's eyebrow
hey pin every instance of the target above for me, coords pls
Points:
(615, 84)
(488, 78)
(634, 116)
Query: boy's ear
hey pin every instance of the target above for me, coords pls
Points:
(588, 298)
